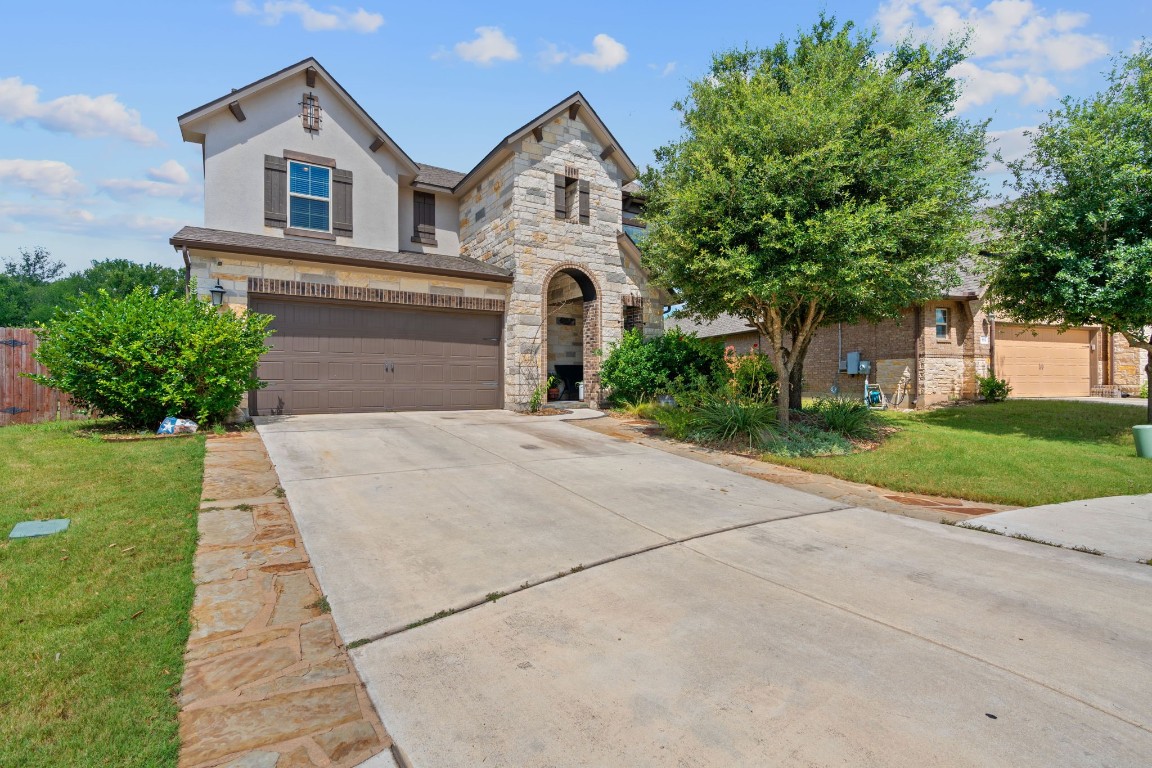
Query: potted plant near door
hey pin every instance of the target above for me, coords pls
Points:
(553, 388)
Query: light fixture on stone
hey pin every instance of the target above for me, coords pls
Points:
(217, 291)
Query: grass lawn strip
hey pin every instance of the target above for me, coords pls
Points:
(95, 619)
(1022, 452)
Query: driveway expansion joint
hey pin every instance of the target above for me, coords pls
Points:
(492, 597)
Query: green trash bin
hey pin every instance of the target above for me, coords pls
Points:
(1143, 435)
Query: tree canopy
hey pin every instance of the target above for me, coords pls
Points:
(816, 181)
(1075, 244)
(31, 286)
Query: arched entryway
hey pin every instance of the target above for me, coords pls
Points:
(571, 325)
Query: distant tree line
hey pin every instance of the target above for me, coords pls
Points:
(34, 285)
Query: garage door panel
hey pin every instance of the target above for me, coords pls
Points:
(305, 371)
(1044, 363)
(331, 358)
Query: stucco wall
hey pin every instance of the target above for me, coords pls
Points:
(234, 162)
(447, 225)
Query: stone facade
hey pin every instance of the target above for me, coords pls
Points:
(233, 271)
(508, 219)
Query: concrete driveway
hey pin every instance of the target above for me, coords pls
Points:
(668, 612)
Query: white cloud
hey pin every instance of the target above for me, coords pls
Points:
(551, 55)
(19, 217)
(51, 178)
(133, 189)
(1015, 42)
(606, 54)
(669, 68)
(333, 19)
(491, 44)
(1012, 144)
(171, 172)
(79, 114)
(981, 86)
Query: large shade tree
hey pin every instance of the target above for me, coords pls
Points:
(816, 181)
(1076, 242)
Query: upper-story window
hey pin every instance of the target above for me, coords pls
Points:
(942, 324)
(424, 218)
(309, 197)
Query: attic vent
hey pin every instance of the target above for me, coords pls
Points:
(571, 171)
(310, 113)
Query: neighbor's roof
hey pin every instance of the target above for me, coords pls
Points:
(325, 252)
(189, 118)
(725, 325)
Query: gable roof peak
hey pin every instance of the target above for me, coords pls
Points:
(311, 68)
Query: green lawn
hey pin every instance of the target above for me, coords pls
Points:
(95, 619)
(1022, 452)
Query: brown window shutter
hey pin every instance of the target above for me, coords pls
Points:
(584, 190)
(424, 218)
(561, 206)
(275, 192)
(342, 203)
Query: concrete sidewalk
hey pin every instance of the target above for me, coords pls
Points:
(1116, 526)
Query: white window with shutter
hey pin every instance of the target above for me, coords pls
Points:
(309, 197)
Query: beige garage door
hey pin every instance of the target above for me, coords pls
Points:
(352, 358)
(1047, 364)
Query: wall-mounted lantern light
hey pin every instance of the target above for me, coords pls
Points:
(217, 292)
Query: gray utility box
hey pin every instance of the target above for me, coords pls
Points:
(854, 366)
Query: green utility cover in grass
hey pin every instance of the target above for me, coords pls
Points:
(27, 530)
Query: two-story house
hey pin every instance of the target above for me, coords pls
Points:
(398, 285)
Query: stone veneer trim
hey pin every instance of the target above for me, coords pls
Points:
(309, 290)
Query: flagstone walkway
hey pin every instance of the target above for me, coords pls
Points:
(268, 682)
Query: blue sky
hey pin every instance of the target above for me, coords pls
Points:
(92, 165)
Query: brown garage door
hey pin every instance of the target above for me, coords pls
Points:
(351, 358)
(1047, 364)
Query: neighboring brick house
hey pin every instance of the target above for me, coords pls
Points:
(398, 285)
(934, 352)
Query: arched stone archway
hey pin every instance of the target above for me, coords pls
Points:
(571, 330)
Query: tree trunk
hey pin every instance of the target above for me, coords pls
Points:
(796, 385)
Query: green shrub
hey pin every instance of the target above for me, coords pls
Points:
(142, 357)
(752, 376)
(727, 419)
(992, 389)
(845, 416)
(1144, 390)
(638, 368)
(805, 440)
(677, 422)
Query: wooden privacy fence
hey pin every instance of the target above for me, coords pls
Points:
(23, 401)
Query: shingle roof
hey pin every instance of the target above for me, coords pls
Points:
(321, 251)
(438, 177)
(972, 282)
(725, 325)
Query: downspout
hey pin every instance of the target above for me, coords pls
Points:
(1111, 358)
(187, 271)
(917, 344)
(992, 348)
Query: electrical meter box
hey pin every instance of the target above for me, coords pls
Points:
(853, 366)
(865, 367)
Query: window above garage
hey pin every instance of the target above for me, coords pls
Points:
(309, 197)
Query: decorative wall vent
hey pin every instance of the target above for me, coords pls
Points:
(310, 113)
(571, 171)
